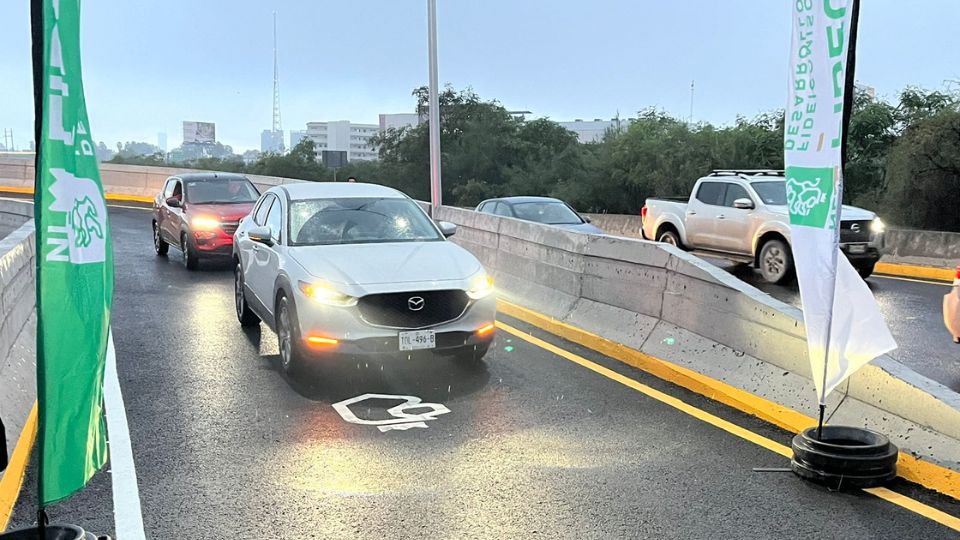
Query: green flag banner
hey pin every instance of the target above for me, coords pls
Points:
(74, 267)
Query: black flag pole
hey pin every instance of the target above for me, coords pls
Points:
(848, 90)
(37, 49)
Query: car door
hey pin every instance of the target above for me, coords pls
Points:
(267, 258)
(256, 270)
(702, 212)
(733, 224)
(173, 217)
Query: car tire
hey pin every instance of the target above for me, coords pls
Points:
(245, 315)
(776, 262)
(191, 260)
(671, 237)
(159, 244)
(866, 271)
(288, 337)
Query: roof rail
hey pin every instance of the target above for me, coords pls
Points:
(746, 172)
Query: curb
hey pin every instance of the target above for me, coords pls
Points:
(929, 475)
(916, 272)
(119, 197)
(12, 479)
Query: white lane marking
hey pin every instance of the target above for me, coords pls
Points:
(402, 420)
(128, 516)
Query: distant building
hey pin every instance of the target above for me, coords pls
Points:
(295, 137)
(271, 141)
(251, 156)
(354, 139)
(162, 142)
(398, 121)
(593, 131)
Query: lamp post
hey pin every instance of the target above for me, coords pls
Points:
(436, 196)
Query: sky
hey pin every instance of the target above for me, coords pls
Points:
(148, 65)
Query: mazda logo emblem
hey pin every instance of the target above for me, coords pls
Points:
(415, 303)
(855, 227)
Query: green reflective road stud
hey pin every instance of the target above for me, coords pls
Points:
(809, 195)
(74, 269)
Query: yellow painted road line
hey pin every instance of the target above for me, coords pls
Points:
(916, 507)
(929, 475)
(903, 501)
(121, 197)
(12, 479)
(914, 271)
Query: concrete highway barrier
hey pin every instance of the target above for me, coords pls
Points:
(667, 303)
(17, 329)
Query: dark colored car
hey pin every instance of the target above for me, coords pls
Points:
(199, 212)
(544, 210)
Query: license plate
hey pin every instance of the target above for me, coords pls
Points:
(857, 248)
(420, 339)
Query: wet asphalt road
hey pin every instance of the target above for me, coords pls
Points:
(534, 445)
(914, 313)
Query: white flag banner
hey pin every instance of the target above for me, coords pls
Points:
(839, 310)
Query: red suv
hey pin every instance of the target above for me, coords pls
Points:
(199, 212)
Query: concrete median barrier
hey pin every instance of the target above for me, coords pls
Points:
(17, 322)
(667, 303)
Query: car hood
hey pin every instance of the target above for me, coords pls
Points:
(581, 227)
(851, 213)
(225, 212)
(373, 264)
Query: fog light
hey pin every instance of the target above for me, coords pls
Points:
(320, 341)
(486, 329)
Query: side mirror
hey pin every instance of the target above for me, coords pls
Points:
(447, 229)
(586, 218)
(173, 202)
(262, 235)
(743, 204)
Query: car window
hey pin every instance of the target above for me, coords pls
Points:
(734, 192)
(275, 221)
(360, 220)
(484, 207)
(221, 191)
(711, 193)
(260, 217)
(177, 189)
(502, 209)
(772, 192)
(549, 212)
(168, 189)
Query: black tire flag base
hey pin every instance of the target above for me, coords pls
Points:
(52, 532)
(845, 457)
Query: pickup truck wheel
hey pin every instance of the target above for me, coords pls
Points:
(669, 237)
(776, 262)
(866, 271)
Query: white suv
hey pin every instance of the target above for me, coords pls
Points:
(348, 269)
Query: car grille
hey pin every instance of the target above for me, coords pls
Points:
(848, 234)
(397, 310)
(229, 227)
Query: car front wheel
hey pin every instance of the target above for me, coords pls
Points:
(191, 260)
(159, 244)
(288, 337)
(866, 271)
(776, 262)
(245, 315)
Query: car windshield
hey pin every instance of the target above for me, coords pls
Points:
(367, 220)
(773, 192)
(221, 191)
(549, 212)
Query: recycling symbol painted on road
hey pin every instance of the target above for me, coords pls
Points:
(401, 420)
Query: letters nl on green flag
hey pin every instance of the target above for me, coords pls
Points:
(74, 268)
(839, 310)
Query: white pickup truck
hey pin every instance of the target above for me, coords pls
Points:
(741, 215)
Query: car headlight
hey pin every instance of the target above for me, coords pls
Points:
(324, 293)
(205, 223)
(877, 226)
(481, 285)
